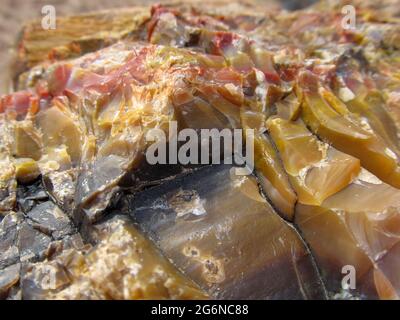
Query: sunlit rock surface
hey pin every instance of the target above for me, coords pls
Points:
(323, 101)
(359, 227)
(316, 170)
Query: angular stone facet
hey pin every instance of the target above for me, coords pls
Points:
(218, 229)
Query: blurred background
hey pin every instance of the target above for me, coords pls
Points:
(14, 13)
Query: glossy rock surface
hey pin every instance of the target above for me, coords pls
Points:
(84, 215)
(222, 233)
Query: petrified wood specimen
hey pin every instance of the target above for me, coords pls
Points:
(84, 216)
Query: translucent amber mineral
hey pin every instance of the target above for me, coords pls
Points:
(85, 215)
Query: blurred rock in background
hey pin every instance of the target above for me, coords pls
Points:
(14, 13)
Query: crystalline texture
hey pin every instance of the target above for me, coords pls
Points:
(323, 102)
